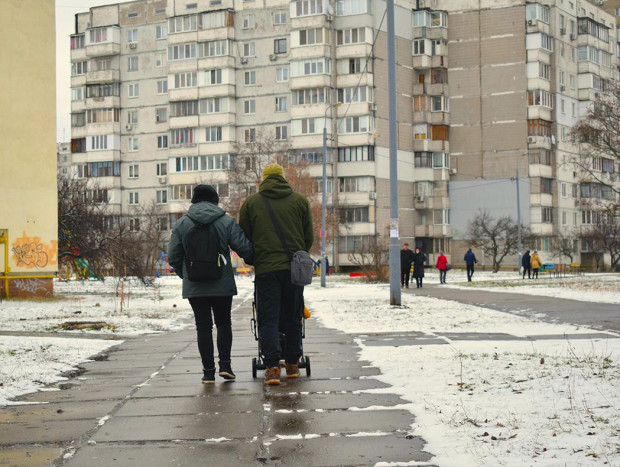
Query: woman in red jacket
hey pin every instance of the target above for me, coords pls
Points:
(442, 265)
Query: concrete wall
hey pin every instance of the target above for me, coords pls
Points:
(28, 200)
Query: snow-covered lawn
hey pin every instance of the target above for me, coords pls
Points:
(513, 402)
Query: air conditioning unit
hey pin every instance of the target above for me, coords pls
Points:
(133, 45)
(163, 180)
(531, 139)
(419, 199)
(128, 127)
(530, 22)
(272, 57)
(243, 60)
(573, 37)
(372, 194)
(562, 87)
(577, 202)
(453, 172)
(562, 31)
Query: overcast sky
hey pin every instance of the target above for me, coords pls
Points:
(65, 26)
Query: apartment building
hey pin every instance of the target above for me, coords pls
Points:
(165, 91)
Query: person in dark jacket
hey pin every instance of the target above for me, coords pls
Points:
(213, 297)
(277, 299)
(406, 259)
(470, 260)
(527, 267)
(419, 259)
(442, 267)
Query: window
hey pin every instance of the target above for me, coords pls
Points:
(281, 104)
(183, 108)
(440, 132)
(318, 185)
(134, 197)
(213, 77)
(593, 28)
(162, 86)
(309, 157)
(77, 94)
(182, 136)
(162, 224)
(423, 160)
(159, 60)
(161, 196)
(134, 223)
(78, 119)
(281, 74)
(356, 184)
(354, 94)
(308, 126)
(100, 169)
(540, 156)
(79, 68)
(132, 36)
(77, 42)
(181, 52)
(161, 31)
(134, 171)
(547, 215)
(430, 19)
(564, 191)
(562, 106)
(134, 144)
(353, 214)
(216, 19)
(355, 243)
(213, 105)
(281, 132)
(249, 49)
(441, 216)
(313, 36)
(161, 169)
(355, 124)
(181, 192)
(439, 103)
(310, 96)
(249, 78)
(162, 142)
(351, 36)
(356, 154)
(78, 145)
(308, 7)
(100, 64)
(439, 75)
(316, 66)
(132, 15)
(98, 35)
(185, 80)
(536, 11)
(352, 7)
(280, 17)
(249, 106)
(546, 42)
(425, 188)
(544, 70)
(355, 65)
(250, 135)
(441, 160)
(419, 47)
(248, 22)
(99, 196)
(161, 115)
(104, 115)
(99, 142)
(571, 80)
(540, 97)
(133, 90)
(182, 23)
(217, 48)
(279, 46)
(420, 131)
(607, 165)
(539, 128)
(132, 64)
(546, 186)
(213, 134)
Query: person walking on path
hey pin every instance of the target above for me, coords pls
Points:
(406, 259)
(276, 297)
(527, 267)
(442, 266)
(213, 296)
(535, 263)
(470, 260)
(419, 259)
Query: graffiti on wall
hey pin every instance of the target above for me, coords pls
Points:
(31, 287)
(31, 252)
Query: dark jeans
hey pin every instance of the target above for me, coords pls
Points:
(418, 281)
(470, 272)
(528, 271)
(279, 304)
(442, 276)
(535, 273)
(220, 306)
(404, 276)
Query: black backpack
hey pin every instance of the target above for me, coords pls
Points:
(203, 259)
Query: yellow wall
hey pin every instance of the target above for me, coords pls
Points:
(28, 199)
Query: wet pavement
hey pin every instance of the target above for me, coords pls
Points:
(144, 404)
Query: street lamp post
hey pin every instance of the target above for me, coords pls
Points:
(324, 198)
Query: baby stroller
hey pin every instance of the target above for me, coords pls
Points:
(257, 362)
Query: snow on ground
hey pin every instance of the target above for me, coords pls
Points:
(517, 402)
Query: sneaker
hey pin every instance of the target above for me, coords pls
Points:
(226, 371)
(292, 370)
(272, 376)
(208, 376)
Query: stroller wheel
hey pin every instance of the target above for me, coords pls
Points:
(308, 372)
(254, 368)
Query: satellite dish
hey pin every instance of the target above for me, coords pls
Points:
(330, 10)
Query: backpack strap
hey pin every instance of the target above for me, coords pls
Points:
(277, 226)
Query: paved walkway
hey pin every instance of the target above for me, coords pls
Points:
(145, 405)
(603, 316)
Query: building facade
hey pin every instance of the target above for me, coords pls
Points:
(28, 220)
(166, 91)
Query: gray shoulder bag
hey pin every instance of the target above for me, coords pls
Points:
(302, 265)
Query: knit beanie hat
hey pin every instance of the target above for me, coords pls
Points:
(205, 193)
(273, 169)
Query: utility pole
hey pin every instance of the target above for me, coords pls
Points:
(519, 247)
(395, 298)
(324, 197)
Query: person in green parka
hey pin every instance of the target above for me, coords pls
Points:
(214, 296)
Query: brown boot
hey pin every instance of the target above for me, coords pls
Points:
(292, 370)
(272, 376)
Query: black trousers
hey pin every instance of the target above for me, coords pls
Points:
(418, 281)
(279, 307)
(442, 276)
(220, 307)
(528, 271)
(404, 276)
(470, 272)
(535, 273)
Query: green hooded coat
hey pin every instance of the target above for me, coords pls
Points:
(229, 234)
(291, 209)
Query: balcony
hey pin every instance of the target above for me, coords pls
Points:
(105, 128)
(310, 81)
(424, 32)
(540, 170)
(423, 202)
(105, 76)
(183, 94)
(309, 51)
(422, 62)
(539, 112)
(103, 49)
(351, 80)
(103, 102)
(535, 25)
(190, 121)
(78, 106)
(223, 119)
(431, 145)
(543, 142)
(213, 34)
(353, 50)
(216, 90)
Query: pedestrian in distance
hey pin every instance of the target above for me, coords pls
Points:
(470, 261)
(527, 267)
(535, 263)
(210, 299)
(419, 260)
(406, 259)
(277, 298)
(442, 266)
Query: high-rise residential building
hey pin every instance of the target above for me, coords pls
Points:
(28, 220)
(165, 92)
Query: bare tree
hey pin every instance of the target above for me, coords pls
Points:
(604, 238)
(497, 238)
(565, 244)
(372, 258)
